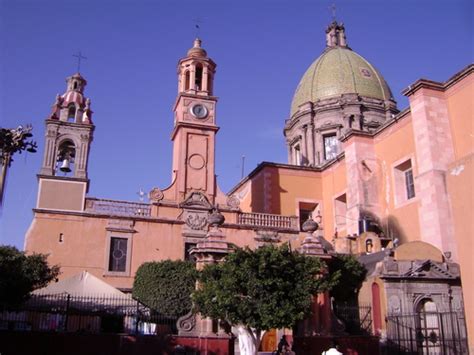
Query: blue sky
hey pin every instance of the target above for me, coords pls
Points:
(262, 48)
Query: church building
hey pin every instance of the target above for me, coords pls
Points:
(392, 187)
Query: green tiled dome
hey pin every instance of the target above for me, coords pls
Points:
(338, 71)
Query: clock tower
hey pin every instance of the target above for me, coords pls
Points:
(195, 127)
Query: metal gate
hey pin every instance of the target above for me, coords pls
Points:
(427, 333)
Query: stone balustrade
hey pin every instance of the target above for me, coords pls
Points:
(268, 220)
(118, 208)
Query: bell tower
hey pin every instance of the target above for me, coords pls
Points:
(195, 126)
(63, 180)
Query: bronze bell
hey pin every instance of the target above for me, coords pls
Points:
(65, 166)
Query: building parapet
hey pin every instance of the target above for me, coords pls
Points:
(143, 210)
(118, 208)
(268, 220)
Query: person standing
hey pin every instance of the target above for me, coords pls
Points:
(333, 350)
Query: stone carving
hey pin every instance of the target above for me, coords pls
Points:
(120, 225)
(394, 304)
(196, 221)
(186, 323)
(267, 237)
(197, 161)
(155, 195)
(197, 199)
(233, 202)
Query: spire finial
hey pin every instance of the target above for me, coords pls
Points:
(79, 57)
(197, 21)
(333, 11)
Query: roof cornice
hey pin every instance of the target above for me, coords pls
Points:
(435, 85)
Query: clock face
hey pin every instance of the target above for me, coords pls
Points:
(199, 111)
(330, 147)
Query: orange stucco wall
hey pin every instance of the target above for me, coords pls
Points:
(334, 184)
(460, 107)
(461, 191)
(84, 245)
(393, 146)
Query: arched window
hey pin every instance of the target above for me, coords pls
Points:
(187, 80)
(71, 113)
(75, 85)
(65, 158)
(428, 327)
(369, 246)
(198, 77)
(209, 83)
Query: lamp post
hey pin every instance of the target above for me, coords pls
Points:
(13, 140)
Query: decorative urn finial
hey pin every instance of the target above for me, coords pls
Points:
(310, 225)
(216, 218)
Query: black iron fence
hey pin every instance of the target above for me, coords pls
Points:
(426, 333)
(357, 318)
(91, 314)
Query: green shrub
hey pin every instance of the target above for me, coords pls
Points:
(166, 286)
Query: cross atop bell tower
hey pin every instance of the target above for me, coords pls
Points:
(195, 126)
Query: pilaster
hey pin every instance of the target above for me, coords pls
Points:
(434, 152)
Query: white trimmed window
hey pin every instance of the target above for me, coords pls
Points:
(404, 182)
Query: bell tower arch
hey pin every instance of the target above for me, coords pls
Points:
(195, 126)
(63, 180)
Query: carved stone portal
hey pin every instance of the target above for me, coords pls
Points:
(195, 223)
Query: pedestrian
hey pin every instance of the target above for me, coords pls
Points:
(333, 350)
(283, 344)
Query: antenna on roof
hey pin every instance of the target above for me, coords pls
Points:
(243, 167)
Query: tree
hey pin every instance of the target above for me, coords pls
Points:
(20, 274)
(11, 142)
(352, 274)
(257, 290)
(166, 286)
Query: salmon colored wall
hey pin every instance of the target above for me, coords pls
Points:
(85, 244)
(295, 186)
(334, 184)
(393, 146)
(461, 191)
(405, 222)
(85, 239)
(418, 251)
(461, 113)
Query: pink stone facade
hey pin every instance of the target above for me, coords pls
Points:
(392, 182)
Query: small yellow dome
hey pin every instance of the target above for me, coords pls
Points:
(197, 50)
(338, 71)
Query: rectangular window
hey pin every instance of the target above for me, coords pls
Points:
(118, 254)
(297, 156)
(330, 147)
(404, 182)
(340, 209)
(187, 251)
(409, 183)
(305, 211)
